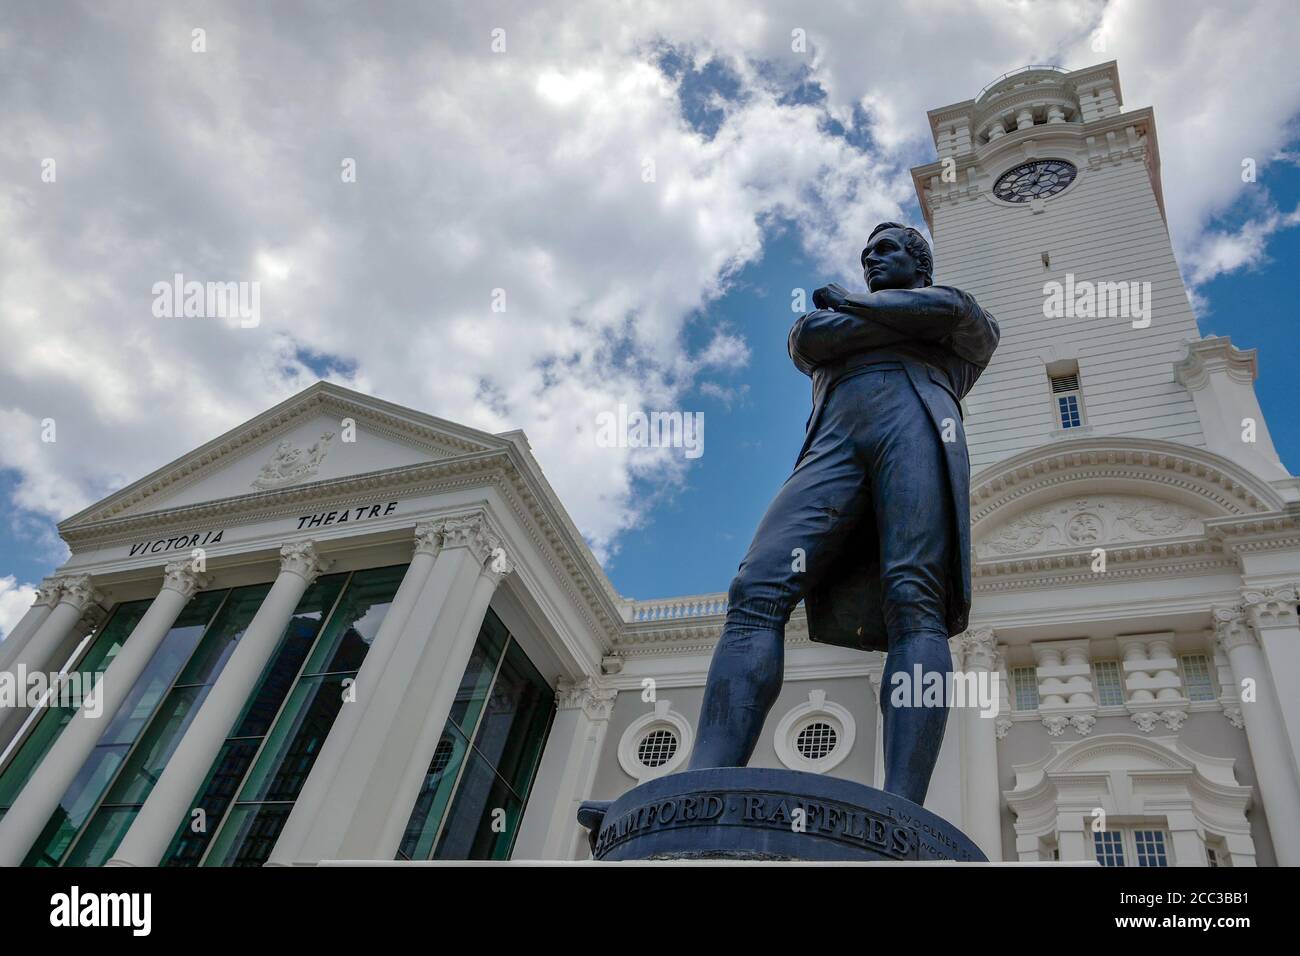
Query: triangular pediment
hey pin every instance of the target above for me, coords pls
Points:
(324, 433)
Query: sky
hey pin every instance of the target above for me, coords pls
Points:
(639, 184)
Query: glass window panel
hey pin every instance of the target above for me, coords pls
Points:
(103, 649)
(102, 837)
(287, 661)
(478, 674)
(223, 635)
(291, 748)
(115, 743)
(1196, 677)
(1150, 848)
(215, 796)
(516, 712)
(157, 745)
(483, 817)
(1109, 686)
(1109, 845)
(299, 732)
(513, 727)
(156, 679)
(1025, 682)
(353, 625)
(237, 754)
(76, 805)
(249, 834)
(435, 795)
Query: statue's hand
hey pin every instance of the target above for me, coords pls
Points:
(829, 296)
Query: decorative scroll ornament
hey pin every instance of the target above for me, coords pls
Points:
(1088, 522)
(302, 559)
(1147, 719)
(290, 463)
(588, 695)
(180, 576)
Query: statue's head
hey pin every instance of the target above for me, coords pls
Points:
(897, 257)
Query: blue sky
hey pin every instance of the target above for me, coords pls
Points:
(524, 170)
(695, 539)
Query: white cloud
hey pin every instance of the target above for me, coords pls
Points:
(477, 171)
(1217, 252)
(15, 600)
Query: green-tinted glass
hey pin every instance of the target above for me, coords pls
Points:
(102, 836)
(248, 835)
(103, 649)
(353, 625)
(473, 796)
(435, 793)
(513, 729)
(205, 665)
(483, 818)
(299, 732)
(126, 725)
(477, 680)
(236, 755)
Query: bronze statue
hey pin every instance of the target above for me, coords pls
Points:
(872, 530)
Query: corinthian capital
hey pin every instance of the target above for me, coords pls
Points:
(1270, 607)
(594, 699)
(78, 591)
(180, 576)
(468, 531)
(428, 538)
(979, 648)
(49, 592)
(1230, 629)
(302, 559)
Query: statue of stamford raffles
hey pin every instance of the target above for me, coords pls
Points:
(872, 529)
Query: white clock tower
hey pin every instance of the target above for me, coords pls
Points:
(1137, 540)
(1046, 204)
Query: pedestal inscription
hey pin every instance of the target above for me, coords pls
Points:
(752, 813)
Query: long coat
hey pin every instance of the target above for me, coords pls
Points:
(944, 340)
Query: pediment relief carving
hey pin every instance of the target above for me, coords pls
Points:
(290, 463)
(1088, 522)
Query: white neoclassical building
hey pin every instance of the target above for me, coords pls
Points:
(347, 630)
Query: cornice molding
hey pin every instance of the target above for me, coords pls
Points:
(1225, 486)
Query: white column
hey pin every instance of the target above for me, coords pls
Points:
(478, 564)
(364, 796)
(170, 800)
(77, 597)
(1272, 613)
(982, 795)
(1185, 835)
(47, 595)
(549, 829)
(1265, 734)
(40, 797)
(328, 784)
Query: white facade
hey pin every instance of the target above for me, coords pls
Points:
(1135, 587)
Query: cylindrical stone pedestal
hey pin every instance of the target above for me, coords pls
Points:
(750, 813)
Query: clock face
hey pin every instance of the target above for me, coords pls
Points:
(1035, 180)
